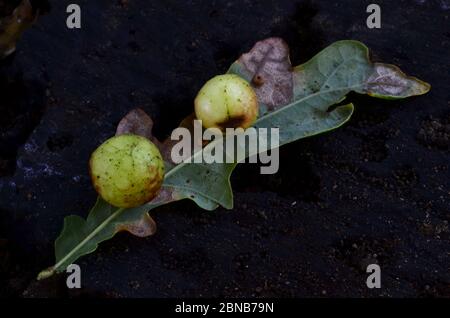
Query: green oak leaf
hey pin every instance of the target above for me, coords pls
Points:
(296, 100)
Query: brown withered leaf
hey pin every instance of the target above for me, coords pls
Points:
(143, 227)
(137, 122)
(12, 27)
(269, 70)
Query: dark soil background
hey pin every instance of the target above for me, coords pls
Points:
(374, 191)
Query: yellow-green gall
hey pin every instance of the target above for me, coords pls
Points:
(127, 171)
(226, 101)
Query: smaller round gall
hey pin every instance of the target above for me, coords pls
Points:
(226, 101)
(127, 171)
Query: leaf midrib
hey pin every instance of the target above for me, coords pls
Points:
(89, 237)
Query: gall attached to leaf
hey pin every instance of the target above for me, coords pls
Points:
(227, 101)
(127, 171)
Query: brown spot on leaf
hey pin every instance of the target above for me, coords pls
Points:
(270, 68)
(164, 195)
(258, 80)
(144, 227)
(389, 81)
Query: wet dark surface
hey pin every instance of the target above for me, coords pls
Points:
(374, 191)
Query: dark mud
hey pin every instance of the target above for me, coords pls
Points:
(374, 191)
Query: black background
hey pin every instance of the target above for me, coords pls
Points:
(374, 191)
